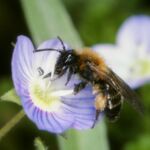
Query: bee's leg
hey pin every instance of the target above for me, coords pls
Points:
(101, 100)
(47, 75)
(100, 104)
(78, 87)
(63, 71)
(69, 76)
(96, 117)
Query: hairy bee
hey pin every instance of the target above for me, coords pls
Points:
(109, 88)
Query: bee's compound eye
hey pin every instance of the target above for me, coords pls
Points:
(69, 58)
(40, 71)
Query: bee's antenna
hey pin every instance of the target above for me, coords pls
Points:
(48, 49)
(52, 49)
(62, 43)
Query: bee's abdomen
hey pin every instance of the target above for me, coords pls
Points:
(113, 113)
(113, 106)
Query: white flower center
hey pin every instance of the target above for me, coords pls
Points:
(44, 96)
(140, 67)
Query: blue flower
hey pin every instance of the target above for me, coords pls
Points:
(50, 104)
(130, 56)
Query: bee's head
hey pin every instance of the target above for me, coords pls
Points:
(67, 59)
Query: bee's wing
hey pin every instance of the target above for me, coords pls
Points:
(125, 90)
(119, 85)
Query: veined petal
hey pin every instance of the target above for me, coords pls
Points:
(56, 122)
(134, 35)
(22, 63)
(134, 39)
(81, 106)
(31, 87)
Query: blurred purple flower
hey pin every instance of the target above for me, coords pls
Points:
(130, 57)
(51, 105)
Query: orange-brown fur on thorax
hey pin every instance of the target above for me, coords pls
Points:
(87, 54)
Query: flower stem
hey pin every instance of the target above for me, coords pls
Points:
(9, 125)
(39, 144)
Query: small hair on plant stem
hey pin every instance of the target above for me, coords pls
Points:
(13, 44)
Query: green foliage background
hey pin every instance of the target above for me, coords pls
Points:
(97, 21)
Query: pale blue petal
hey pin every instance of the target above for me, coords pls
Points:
(136, 83)
(55, 122)
(134, 39)
(135, 33)
(81, 106)
(22, 70)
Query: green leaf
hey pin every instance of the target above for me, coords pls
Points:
(140, 143)
(92, 139)
(47, 19)
(11, 96)
(39, 144)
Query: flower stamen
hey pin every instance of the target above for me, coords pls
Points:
(40, 71)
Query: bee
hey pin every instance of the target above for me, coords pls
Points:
(109, 88)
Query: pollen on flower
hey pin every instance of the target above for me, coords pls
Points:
(42, 96)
